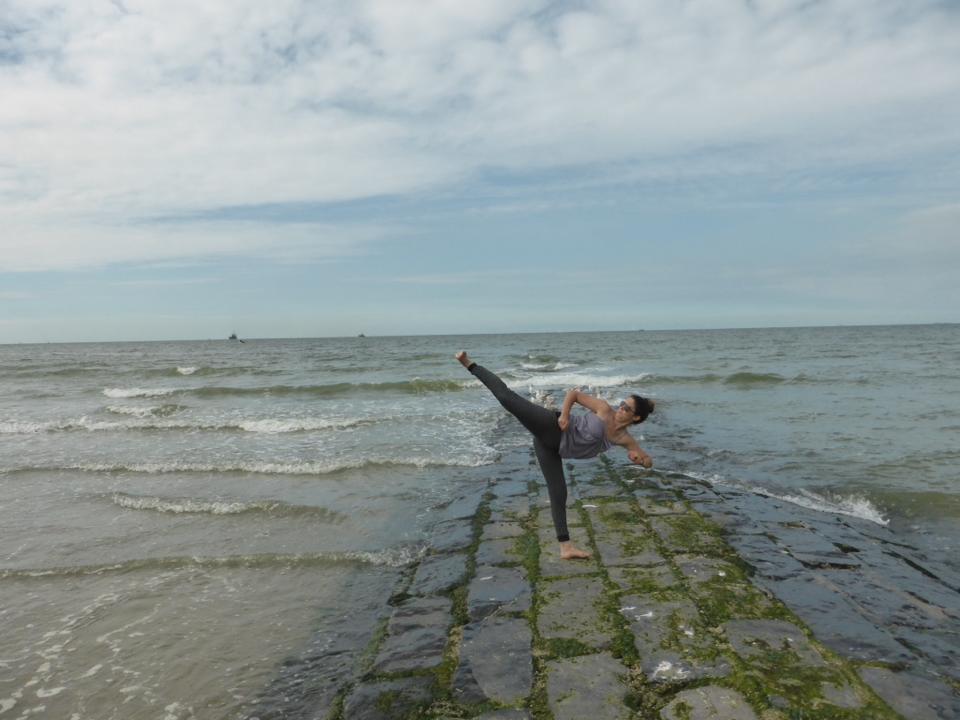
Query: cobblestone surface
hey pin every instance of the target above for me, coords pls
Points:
(687, 610)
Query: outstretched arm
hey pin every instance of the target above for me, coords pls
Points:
(600, 407)
(635, 453)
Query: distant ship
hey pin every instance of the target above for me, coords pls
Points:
(361, 335)
(233, 336)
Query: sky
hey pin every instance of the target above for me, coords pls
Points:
(180, 170)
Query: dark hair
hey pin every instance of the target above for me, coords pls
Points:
(644, 407)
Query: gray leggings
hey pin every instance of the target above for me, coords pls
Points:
(542, 424)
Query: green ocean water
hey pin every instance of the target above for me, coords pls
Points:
(179, 517)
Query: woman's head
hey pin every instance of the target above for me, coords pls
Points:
(638, 407)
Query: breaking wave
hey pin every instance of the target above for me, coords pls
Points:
(397, 557)
(851, 505)
(179, 506)
(415, 386)
(259, 468)
(270, 426)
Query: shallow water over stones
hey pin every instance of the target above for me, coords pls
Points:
(765, 625)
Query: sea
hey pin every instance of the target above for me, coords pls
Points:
(180, 522)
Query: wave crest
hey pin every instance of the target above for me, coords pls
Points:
(189, 506)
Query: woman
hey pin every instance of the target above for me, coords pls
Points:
(557, 435)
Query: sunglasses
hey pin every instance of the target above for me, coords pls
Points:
(624, 405)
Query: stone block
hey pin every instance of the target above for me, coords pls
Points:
(589, 686)
(670, 640)
(515, 507)
(498, 530)
(912, 695)
(841, 695)
(758, 638)
(451, 535)
(497, 588)
(497, 552)
(708, 703)
(496, 664)
(660, 505)
(698, 569)
(416, 636)
(647, 578)
(439, 574)
(509, 487)
(387, 700)
(569, 610)
(687, 534)
(601, 489)
(550, 563)
(464, 506)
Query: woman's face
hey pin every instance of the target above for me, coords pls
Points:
(625, 411)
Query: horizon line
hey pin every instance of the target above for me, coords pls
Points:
(470, 334)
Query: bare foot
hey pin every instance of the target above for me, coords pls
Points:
(463, 359)
(569, 552)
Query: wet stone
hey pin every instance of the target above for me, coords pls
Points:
(836, 622)
(753, 638)
(678, 538)
(439, 574)
(833, 560)
(708, 703)
(698, 570)
(387, 700)
(495, 662)
(509, 508)
(497, 530)
(913, 696)
(660, 506)
(505, 715)
(497, 552)
(625, 548)
(590, 686)
(550, 563)
(496, 588)
(509, 487)
(766, 557)
(671, 644)
(417, 636)
(464, 506)
(569, 610)
(451, 535)
(646, 579)
(600, 490)
(842, 696)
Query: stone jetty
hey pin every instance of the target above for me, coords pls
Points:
(698, 604)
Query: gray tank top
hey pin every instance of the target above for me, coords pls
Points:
(585, 437)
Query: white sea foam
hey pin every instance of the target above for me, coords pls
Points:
(569, 380)
(14, 427)
(185, 505)
(186, 370)
(852, 505)
(265, 468)
(138, 392)
(547, 366)
(140, 412)
(276, 426)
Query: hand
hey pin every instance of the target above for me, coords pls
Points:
(639, 457)
(563, 421)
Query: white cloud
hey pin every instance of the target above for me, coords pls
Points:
(113, 111)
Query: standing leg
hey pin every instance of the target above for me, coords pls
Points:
(551, 465)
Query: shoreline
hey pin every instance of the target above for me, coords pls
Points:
(698, 603)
